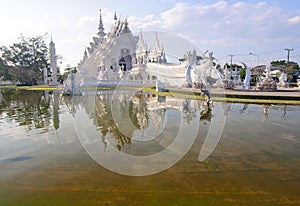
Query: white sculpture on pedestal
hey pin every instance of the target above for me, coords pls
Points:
(282, 81)
(247, 78)
(267, 83)
(71, 85)
(160, 86)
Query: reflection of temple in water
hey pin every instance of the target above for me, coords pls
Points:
(55, 108)
(266, 111)
(0, 97)
(126, 116)
(145, 114)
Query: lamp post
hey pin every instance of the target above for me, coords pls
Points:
(256, 56)
(288, 60)
(231, 56)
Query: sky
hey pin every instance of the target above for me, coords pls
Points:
(233, 27)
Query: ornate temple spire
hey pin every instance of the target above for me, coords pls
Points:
(141, 50)
(85, 55)
(52, 45)
(101, 32)
(141, 45)
(156, 42)
(141, 40)
(115, 17)
(125, 26)
(141, 34)
(157, 54)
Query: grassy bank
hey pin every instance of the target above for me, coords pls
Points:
(191, 94)
(33, 88)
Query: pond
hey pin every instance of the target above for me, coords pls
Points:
(131, 147)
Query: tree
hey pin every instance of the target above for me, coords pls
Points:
(234, 66)
(26, 108)
(219, 67)
(26, 59)
(6, 72)
(289, 67)
(64, 76)
(243, 73)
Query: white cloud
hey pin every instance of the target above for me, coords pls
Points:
(294, 20)
(86, 20)
(220, 5)
(148, 21)
(242, 23)
(219, 26)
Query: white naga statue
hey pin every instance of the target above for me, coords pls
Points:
(282, 81)
(247, 78)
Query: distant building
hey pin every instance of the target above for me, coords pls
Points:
(296, 76)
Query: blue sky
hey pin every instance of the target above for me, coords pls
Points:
(264, 28)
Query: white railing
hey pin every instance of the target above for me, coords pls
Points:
(5, 83)
(128, 83)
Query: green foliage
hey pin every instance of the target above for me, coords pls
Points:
(26, 59)
(290, 67)
(233, 66)
(199, 57)
(5, 73)
(243, 73)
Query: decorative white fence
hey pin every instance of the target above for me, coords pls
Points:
(127, 83)
(4, 83)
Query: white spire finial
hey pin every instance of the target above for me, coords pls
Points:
(101, 32)
(115, 17)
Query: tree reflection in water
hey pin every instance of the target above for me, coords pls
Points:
(27, 108)
(144, 113)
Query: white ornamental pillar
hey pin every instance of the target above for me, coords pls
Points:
(53, 63)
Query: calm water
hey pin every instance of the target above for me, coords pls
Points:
(104, 148)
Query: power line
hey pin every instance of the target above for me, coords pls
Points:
(288, 55)
(231, 55)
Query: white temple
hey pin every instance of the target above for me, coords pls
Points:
(119, 56)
